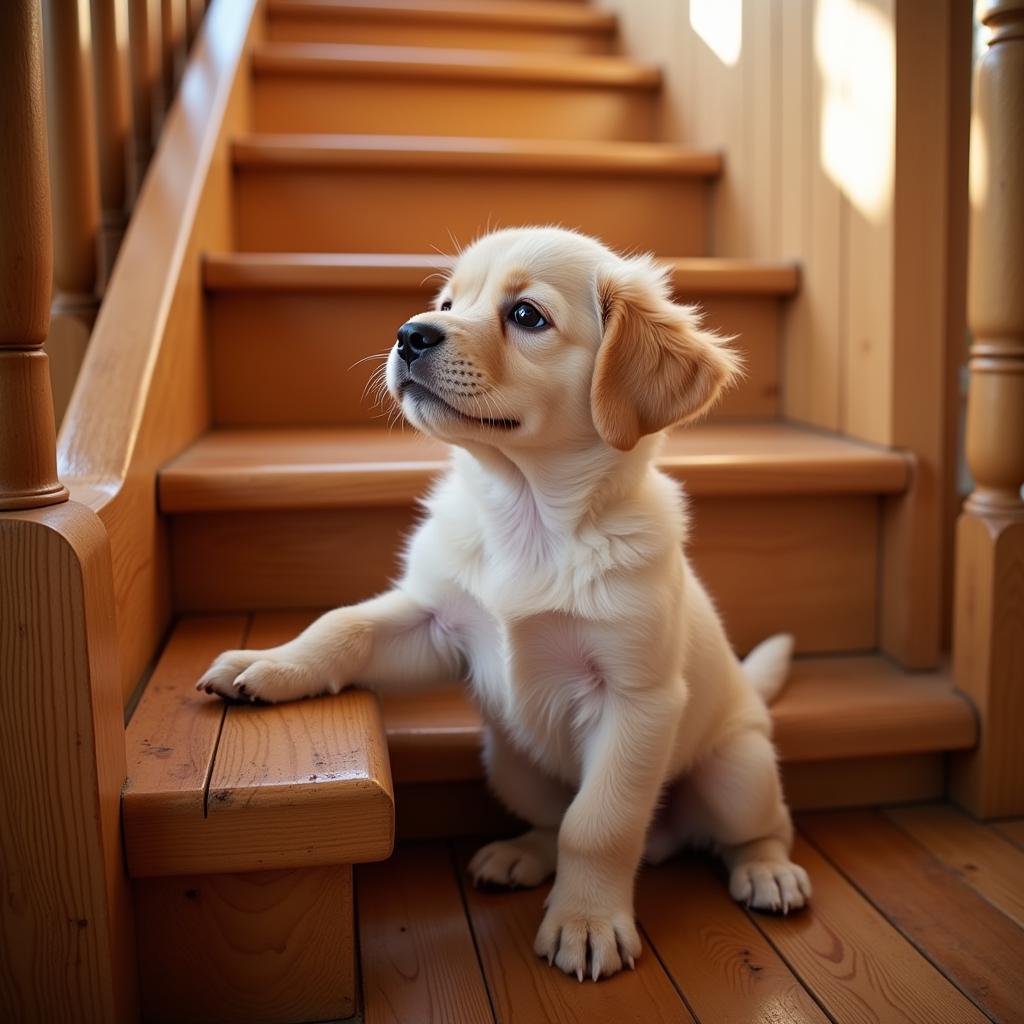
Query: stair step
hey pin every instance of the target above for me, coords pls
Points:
(333, 87)
(358, 467)
(406, 193)
(308, 518)
(559, 27)
(832, 708)
(338, 310)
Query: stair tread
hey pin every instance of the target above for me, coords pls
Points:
(380, 271)
(494, 13)
(831, 708)
(463, 63)
(364, 466)
(473, 153)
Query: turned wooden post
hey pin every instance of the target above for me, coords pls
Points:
(28, 447)
(196, 9)
(988, 631)
(174, 36)
(74, 189)
(110, 72)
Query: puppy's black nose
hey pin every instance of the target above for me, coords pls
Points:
(414, 338)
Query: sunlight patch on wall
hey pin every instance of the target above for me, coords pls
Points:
(720, 24)
(856, 57)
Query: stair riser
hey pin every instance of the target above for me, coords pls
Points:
(283, 27)
(287, 357)
(287, 102)
(411, 210)
(801, 564)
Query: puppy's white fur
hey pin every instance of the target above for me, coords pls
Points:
(550, 572)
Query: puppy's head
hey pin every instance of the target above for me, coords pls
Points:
(542, 336)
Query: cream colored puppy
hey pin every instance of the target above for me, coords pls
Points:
(549, 572)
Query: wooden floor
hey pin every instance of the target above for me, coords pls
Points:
(918, 915)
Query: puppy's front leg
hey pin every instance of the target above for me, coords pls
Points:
(389, 642)
(602, 835)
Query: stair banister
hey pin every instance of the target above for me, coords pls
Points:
(28, 463)
(988, 642)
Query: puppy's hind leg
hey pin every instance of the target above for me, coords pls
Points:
(528, 792)
(741, 804)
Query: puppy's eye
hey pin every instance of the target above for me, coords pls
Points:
(526, 315)
(446, 305)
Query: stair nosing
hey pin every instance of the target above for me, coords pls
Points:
(348, 60)
(331, 151)
(326, 272)
(187, 486)
(565, 19)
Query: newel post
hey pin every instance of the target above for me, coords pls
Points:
(988, 632)
(28, 447)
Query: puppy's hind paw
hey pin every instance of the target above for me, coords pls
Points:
(776, 887)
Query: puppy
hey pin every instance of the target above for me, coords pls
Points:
(549, 572)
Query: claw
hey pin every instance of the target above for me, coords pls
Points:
(631, 961)
(579, 975)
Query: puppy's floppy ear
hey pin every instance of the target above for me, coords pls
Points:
(655, 366)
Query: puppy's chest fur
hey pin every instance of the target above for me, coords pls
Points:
(536, 611)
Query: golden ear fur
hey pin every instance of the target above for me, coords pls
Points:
(655, 366)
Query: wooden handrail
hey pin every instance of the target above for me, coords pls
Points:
(28, 465)
(988, 642)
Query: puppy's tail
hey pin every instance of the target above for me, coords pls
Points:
(767, 665)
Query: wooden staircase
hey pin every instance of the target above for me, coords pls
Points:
(380, 135)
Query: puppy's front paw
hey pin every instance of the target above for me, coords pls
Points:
(566, 938)
(256, 676)
(778, 886)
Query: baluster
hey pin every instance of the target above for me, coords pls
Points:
(988, 641)
(174, 46)
(74, 189)
(110, 71)
(147, 83)
(28, 447)
(196, 9)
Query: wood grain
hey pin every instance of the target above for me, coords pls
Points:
(976, 946)
(416, 949)
(523, 986)
(171, 740)
(247, 949)
(859, 967)
(66, 943)
(299, 784)
(976, 854)
(724, 966)
(142, 395)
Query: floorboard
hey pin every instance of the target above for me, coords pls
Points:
(974, 852)
(526, 990)
(724, 966)
(979, 948)
(859, 967)
(912, 920)
(418, 959)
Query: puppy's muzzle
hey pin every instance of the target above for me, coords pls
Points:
(415, 337)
